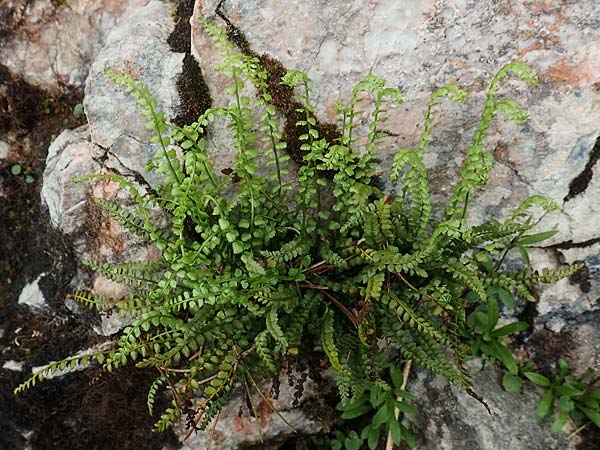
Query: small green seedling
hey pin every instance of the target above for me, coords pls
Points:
(383, 405)
(577, 399)
(487, 340)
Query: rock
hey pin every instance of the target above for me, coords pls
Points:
(15, 366)
(32, 296)
(450, 419)
(4, 148)
(422, 45)
(419, 46)
(234, 431)
(140, 48)
(71, 155)
(109, 146)
(51, 44)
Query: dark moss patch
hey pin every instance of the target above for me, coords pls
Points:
(20, 106)
(88, 410)
(193, 92)
(582, 278)
(191, 87)
(580, 183)
(180, 38)
(544, 347)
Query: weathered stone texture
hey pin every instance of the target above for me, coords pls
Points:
(417, 45)
(452, 420)
(55, 42)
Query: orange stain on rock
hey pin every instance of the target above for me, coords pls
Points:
(563, 73)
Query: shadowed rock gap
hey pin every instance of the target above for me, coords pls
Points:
(580, 183)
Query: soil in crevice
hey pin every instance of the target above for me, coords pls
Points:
(76, 411)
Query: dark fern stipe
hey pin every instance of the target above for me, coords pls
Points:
(255, 272)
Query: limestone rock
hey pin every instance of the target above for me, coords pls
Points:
(71, 155)
(32, 296)
(420, 45)
(140, 48)
(234, 431)
(452, 420)
(52, 43)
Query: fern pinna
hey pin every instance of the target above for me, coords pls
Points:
(254, 273)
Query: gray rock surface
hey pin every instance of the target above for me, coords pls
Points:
(452, 420)
(418, 46)
(32, 296)
(53, 43)
(71, 155)
(234, 431)
(114, 141)
(140, 48)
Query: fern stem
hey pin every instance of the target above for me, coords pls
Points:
(342, 308)
(267, 401)
(162, 144)
(254, 412)
(212, 431)
(424, 294)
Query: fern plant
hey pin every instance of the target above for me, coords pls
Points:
(255, 273)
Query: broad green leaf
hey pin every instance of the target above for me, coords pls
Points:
(565, 404)
(408, 437)
(406, 408)
(493, 313)
(569, 391)
(509, 329)
(372, 435)
(360, 409)
(545, 406)
(506, 356)
(560, 422)
(382, 415)
(395, 432)
(535, 238)
(511, 383)
(506, 298)
(594, 416)
(538, 379)
(397, 378)
(353, 441)
(563, 366)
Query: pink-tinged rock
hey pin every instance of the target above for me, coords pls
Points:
(70, 155)
(237, 428)
(420, 45)
(54, 45)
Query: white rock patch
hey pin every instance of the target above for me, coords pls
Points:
(32, 296)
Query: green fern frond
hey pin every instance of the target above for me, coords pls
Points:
(411, 318)
(263, 350)
(272, 324)
(139, 275)
(328, 343)
(154, 387)
(132, 222)
(478, 164)
(92, 300)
